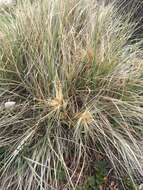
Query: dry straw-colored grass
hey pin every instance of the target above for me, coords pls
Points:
(77, 81)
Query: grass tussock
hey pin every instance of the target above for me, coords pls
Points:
(71, 89)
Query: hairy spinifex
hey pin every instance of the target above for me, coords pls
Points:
(77, 83)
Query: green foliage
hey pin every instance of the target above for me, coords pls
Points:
(90, 184)
(94, 182)
(130, 185)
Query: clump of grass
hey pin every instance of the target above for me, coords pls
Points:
(76, 84)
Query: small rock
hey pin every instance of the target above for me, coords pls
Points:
(9, 105)
(7, 2)
(141, 186)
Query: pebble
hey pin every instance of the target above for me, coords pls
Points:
(141, 186)
(9, 105)
(7, 2)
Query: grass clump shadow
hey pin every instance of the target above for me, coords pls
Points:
(71, 91)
